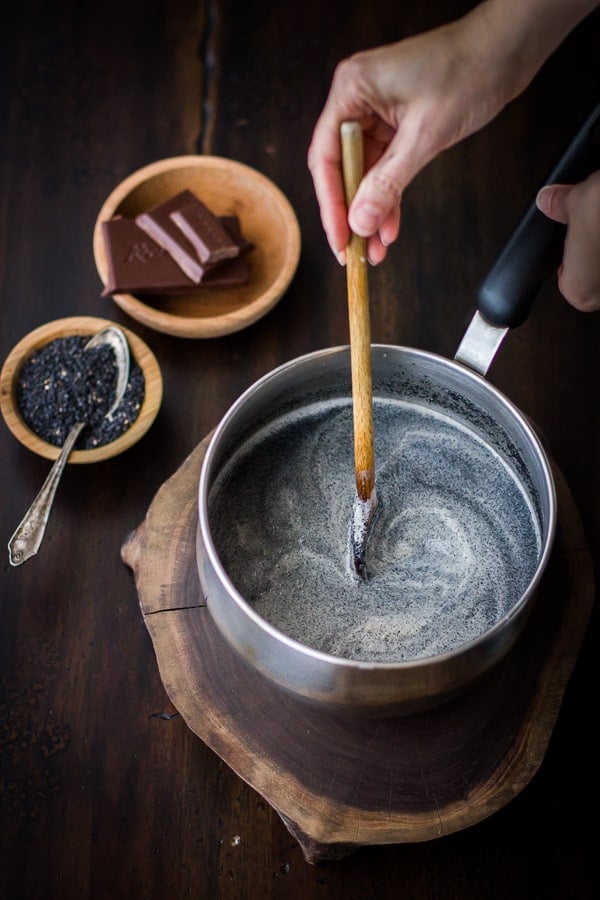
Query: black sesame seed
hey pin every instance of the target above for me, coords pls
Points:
(62, 384)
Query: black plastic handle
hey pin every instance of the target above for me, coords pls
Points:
(534, 250)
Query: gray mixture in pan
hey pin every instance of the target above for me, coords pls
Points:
(453, 546)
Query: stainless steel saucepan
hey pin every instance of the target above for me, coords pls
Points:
(454, 388)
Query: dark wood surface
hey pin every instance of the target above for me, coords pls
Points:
(104, 790)
(341, 782)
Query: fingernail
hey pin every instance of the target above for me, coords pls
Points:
(340, 255)
(543, 199)
(365, 220)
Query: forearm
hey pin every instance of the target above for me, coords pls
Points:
(416, 97)
(519, 35)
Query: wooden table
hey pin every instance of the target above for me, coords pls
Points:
(104, 790)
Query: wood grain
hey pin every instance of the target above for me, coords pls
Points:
(341, 782)
(359, 316)
(105, 792)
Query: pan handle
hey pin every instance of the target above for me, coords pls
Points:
(534, 251)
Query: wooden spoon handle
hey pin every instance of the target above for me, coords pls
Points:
(360, 328)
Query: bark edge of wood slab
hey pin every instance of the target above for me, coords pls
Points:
(339, 783)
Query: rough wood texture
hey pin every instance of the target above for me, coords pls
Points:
(359, 315)
(339, 782)
(104, 790)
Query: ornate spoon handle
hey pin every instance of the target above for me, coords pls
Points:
(26, 540)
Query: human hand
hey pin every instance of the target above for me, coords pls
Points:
(412, 99)
(578, 207)
(419, 96)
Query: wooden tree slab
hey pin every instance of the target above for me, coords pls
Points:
(340, 782)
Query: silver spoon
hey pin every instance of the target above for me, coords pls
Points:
(27, 539)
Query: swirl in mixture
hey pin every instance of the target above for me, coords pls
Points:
(453, 545)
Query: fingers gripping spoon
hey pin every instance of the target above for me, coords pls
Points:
(27, 539)
(365, 501)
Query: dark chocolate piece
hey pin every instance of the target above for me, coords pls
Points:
(136, 263)
(230, 273)
(232, 224)
(158, 224)
(212, 242)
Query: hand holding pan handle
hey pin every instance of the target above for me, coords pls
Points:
(534, 250)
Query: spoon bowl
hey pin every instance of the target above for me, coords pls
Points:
(114, 337)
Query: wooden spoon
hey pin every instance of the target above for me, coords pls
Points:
(360, 356)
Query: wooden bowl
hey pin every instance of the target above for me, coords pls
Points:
(78, 325)
(227, 188)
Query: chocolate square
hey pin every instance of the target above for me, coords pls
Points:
(158, 224)
(232, 224)
(229, 273)
(136, 263)
(212, 242)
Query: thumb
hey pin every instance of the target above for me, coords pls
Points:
(380, 190)
(377, 197)
(552, 201)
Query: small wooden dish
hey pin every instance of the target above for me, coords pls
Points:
(78, 325)
(227, 188)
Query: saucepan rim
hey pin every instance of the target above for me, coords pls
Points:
(463, 372)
